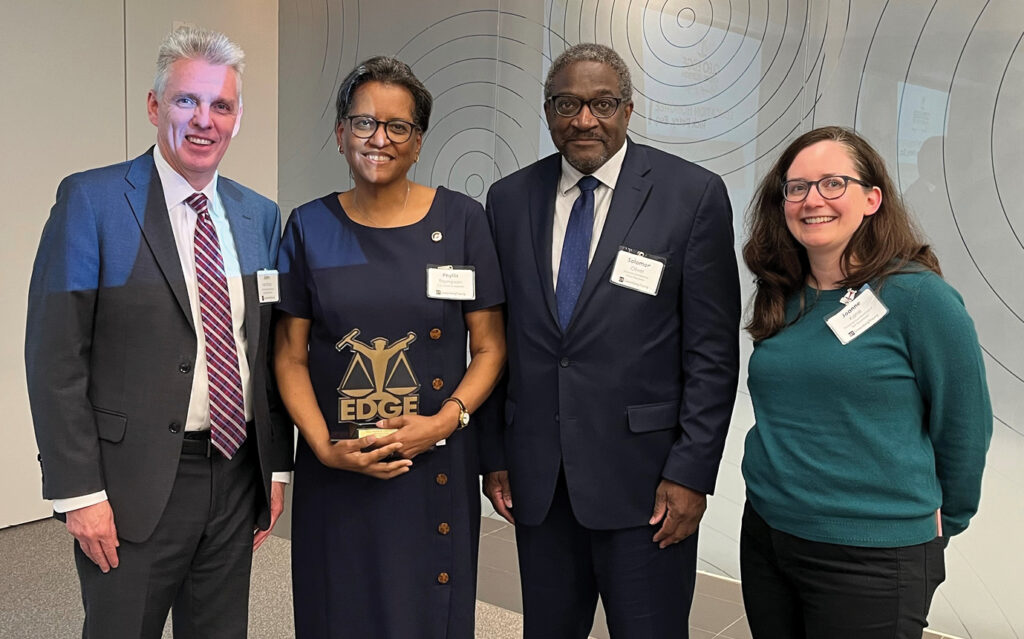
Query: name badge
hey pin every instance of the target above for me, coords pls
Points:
(451, 282)
(861, 313)
(266, 286)
(637, 271)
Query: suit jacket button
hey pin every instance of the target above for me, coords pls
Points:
(184, 367)
(442, 578)
(174, 427)
(435, 333)
(437, 384)
(564, 362)
(443, 528)
(441, 479)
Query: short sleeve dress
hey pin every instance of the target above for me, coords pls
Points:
(387, 559)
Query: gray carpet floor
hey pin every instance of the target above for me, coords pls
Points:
(39, 596)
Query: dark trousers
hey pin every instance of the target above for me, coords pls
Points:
(198, 560)
(799, 589)
(646, 591)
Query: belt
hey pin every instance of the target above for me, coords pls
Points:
(196, 442)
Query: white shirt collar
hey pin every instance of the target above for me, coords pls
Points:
(176, 188)
(607, 173)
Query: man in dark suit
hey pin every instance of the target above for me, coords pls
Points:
(146, 353)
(623, 329)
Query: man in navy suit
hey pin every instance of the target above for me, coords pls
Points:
(146, 332)
(623, 328)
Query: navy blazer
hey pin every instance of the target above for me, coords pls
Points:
(110, 343)
(639, 387)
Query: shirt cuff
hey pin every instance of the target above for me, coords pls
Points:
(285, 477)
(74, 503)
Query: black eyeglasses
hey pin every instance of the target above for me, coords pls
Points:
(568, 106)
(830, 187)
(364, 127)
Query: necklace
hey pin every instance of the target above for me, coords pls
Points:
(367, 217)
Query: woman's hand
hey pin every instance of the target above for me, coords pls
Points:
(347, 454)
(417, 433)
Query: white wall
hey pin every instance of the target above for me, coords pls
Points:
(75, 77)
(936, 85)
(60, 116)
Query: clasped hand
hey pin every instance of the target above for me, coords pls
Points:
(416, 433)
(374, 456)
(347, 454)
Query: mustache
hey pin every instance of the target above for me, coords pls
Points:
(580, 135)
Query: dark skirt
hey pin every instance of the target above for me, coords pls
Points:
(387, 559)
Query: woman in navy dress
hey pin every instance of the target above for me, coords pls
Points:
(385, 528)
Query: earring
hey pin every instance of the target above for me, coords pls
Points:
(341, 150)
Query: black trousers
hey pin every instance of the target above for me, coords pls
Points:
(799, 589)
(198, 560)
(646, 591)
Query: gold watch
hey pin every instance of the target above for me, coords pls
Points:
(463, 413)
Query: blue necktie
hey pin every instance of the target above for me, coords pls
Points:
(572, 270)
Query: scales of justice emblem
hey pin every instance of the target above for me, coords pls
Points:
(379, 381)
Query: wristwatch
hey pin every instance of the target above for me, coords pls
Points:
(463, 413)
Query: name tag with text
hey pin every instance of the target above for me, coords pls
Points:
(637, 271)
(857, 316)
(266, 285)
(451, 282)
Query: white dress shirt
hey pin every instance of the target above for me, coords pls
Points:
(183, 218)
(183, 222)
(608, 175)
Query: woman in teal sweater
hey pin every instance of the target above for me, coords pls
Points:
(871, 406)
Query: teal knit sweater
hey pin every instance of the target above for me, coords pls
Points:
(861, 444)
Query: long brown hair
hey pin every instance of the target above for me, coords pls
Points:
(885, 243)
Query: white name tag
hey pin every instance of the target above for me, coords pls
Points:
(451, 282)
(266, 286)
(637, 271)
(861, 313)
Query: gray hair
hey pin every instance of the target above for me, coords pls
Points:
(386, 70)
(591, 52)
(189, 42)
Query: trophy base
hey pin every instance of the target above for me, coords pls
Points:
(358, 430)
(376, 432)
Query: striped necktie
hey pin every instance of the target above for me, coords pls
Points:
(227, 408)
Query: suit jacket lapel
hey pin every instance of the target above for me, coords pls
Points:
(631, 192)
(146, 198)
(247, 244)
(542, 218)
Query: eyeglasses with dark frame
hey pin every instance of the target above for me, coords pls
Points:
(830, 187)
(567, 106)
(365, 127)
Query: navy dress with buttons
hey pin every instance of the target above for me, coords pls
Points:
(371, 558)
